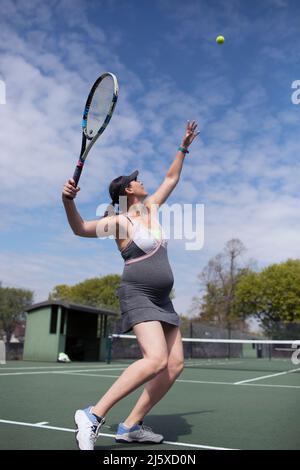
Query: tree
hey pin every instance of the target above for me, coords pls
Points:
(219, 279)
(96, 292)
(13, 304)
(273, 297)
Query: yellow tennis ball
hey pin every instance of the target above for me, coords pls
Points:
(220, 39)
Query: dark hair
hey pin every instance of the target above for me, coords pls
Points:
(106, 213)
(116, 212)
(117, 189)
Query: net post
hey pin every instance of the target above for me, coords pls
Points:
(109, 341)
(229, 337)
(259, 351)
(191, 336)
(2, 352)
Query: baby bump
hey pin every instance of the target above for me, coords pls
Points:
(153, 273)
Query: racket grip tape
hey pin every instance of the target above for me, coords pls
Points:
(77, 172)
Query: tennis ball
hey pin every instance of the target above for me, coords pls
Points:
(220, 39)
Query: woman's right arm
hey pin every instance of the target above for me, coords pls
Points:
(94, 228)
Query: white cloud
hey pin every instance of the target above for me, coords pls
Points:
(40, 271)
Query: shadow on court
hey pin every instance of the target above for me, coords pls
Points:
(172, 427)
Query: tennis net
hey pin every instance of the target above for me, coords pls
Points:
(239, 354)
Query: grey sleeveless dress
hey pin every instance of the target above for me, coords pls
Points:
(147, 280)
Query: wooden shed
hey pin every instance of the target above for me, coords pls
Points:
(54, 326)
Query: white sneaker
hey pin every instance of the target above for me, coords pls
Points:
(88, 428)
(137, 433)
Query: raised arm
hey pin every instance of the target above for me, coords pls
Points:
(173, 174)
(101, 227)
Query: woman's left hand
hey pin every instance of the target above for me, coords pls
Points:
(190, 134)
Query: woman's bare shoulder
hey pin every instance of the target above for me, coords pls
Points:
(151, 207)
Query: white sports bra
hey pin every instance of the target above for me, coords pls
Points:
(143, 237)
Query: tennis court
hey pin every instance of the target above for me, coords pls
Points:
(238, 403)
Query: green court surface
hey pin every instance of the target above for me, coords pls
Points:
(210, 406)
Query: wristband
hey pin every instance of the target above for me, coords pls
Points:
(183, 150)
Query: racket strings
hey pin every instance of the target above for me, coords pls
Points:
(100, 106)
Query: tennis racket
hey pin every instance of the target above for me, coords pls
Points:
(97, 113)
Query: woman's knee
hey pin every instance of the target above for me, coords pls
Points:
(153, 344)
(158, 363)
(175, 366)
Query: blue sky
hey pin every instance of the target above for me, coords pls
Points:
(244, 167)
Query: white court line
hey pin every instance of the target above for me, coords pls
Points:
(181, 380)
(90, 370)
(42, 423)
(212, 364)
(56, 367)
(82, 372)
(42, 426)
(232, 383)
(193, 381)
(270, 385)
(267, 376)
(63, 372)
(93, 375)
(29, 373)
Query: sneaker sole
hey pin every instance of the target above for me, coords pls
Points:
(129, 441)
(76, 432)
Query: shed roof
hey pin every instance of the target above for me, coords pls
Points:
(71, 306)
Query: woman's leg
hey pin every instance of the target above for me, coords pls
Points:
(156, 388)
(151, 339)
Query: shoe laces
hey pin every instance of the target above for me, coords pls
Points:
(94, 430)
(146, 428)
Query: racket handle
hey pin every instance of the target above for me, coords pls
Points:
(76, 175)
(77, 172)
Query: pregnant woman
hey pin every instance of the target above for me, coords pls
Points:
(145, 304)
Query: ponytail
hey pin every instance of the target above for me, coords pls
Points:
(110, 210)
